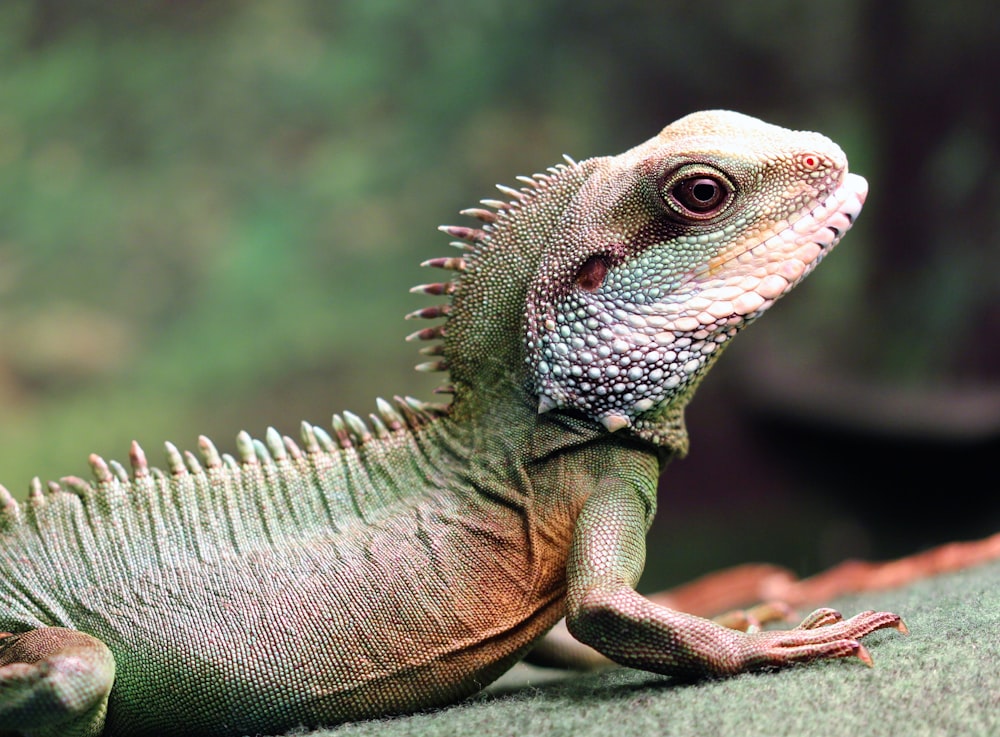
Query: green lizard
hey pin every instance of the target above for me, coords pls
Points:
(406, 561)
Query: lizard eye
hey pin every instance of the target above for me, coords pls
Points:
(697, 194)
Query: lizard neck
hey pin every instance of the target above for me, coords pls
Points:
(484, 341)
(486, 335)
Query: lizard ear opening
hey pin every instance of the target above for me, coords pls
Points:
(590, 276)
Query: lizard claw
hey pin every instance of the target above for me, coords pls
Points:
(864, 656)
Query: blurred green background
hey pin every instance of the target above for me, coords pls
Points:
(210, 213)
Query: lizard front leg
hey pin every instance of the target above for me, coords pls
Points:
(54, 682)
(605, 612)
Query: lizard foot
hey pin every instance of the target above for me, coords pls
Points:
(824, 634)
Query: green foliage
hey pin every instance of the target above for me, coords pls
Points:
(198, 201)
(201, 202)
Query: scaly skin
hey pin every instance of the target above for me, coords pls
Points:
(406, 562)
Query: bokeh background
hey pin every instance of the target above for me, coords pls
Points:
(211, 212)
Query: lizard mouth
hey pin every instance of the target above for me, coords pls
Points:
(812, 236)
(749, 281)
(827, 224)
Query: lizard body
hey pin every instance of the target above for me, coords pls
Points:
(408, 560)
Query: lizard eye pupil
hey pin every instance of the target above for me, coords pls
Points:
(700, 196)
(705, 191)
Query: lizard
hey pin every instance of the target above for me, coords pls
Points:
(407, 560)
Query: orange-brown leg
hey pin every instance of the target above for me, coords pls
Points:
(741, 586)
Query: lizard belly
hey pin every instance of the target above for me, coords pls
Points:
(396, 617)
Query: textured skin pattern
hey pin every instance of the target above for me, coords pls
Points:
(407, 560)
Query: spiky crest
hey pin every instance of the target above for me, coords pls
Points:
(474, 241)
(402, 415)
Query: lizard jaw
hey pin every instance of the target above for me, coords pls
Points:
(771, 267)
(823, 227)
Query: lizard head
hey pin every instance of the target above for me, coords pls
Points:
(671, 249)
(609, 286)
